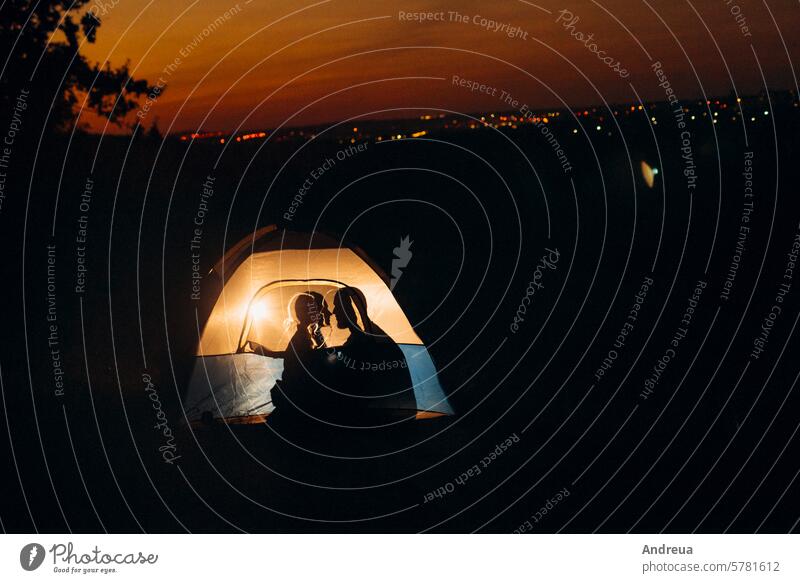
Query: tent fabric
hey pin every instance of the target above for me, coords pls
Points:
(271, 309)
(257, 276)
(427, 390)
(238, 385)
(232, 385)
(224, 328)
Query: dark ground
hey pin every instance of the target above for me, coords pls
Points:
(713, 447)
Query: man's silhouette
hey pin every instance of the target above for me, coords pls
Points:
(372, 371)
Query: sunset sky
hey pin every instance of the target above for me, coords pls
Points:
(265, 63)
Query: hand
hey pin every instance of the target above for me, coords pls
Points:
(255, 347)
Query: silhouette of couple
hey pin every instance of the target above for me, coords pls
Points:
(363, 378)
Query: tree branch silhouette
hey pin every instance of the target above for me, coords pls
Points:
(42, 41)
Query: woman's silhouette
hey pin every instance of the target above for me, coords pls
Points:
(308, 313)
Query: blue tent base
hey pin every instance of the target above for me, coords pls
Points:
(237, 386)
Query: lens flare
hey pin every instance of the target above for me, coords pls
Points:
(649, 174)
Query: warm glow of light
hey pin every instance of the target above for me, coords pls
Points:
(259, 310)
(251, 136)
(418, 134)
(200, 136)
(240, 81)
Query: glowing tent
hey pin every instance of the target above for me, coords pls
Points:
(256, 280)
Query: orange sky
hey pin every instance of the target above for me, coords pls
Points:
(233, 75)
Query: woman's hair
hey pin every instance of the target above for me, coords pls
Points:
(303, 308)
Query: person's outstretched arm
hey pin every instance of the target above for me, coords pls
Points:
(255, 348)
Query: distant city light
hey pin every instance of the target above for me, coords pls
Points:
(350, 134)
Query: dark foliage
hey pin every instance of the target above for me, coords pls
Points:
(42, 42)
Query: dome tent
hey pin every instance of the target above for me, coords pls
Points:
(255, 283)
